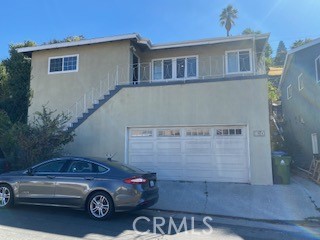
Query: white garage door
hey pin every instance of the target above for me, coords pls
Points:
(191, 153)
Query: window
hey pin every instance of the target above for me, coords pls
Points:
(54, 166)
(85, 167)
(239, 61)
(198, 132)
(300, 82)
(317, 62)
(229, 131)
(141, 133)
(175, 68)
(289, 92)
(169, 133)
(63, 64)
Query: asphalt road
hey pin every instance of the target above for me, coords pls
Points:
(48, 223)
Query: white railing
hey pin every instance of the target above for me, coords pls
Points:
(175, 70)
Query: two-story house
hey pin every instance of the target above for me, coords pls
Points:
(194, 110)
(300, 97)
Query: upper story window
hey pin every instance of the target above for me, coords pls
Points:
(300, 82)
(238, 61)
(63, 64)
(289, 92)
(317, 62)
(175, 68)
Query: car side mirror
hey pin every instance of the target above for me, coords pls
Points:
(30, 171)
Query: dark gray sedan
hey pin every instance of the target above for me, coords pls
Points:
(102, 187)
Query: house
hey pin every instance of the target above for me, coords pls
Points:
(194, 110)
(300, 97)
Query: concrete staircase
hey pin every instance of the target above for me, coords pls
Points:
(94, 108)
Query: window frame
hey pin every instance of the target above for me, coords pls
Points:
(317, 61)
(50, 162)
(63, 57)
(238, 70)
(150, 131)
(174, 68)
(85, 161)
(171, 130)
(300, 82)
(198, 130)
(228, 130)
(289, 94)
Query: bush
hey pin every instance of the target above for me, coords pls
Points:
(42, 138)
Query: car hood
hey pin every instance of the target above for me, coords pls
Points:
(13, 173)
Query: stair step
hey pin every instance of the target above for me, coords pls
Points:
(96, 105)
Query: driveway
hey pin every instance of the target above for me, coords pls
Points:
(295, 202)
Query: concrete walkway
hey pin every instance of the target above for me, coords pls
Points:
(295, 202)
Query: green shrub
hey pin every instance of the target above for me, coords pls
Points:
(42, 138)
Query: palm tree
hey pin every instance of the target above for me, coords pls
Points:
(227, 17)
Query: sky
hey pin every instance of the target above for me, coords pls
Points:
(161, 21)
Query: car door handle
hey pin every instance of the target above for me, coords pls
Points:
(51, 177)
(89, 178)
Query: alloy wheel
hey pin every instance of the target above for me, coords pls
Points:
(99, 206)
(4, 196)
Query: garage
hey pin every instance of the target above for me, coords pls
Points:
(215, 154)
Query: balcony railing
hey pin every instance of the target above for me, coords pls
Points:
(166, 71)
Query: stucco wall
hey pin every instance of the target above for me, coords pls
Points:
(213, 103)
(60, 91)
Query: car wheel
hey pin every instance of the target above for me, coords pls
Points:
(6, 196)
(100, 206)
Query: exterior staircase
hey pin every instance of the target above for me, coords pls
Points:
(96, 105)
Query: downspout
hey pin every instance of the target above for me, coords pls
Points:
(254, 54)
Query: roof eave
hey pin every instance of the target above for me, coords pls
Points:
(79, 43)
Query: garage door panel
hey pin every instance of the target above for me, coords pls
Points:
(196, 153)
(230, 159)
(165, 159)
(198, 159)
(169, 146)
(142, 159)
(198, 147)
(141, 147)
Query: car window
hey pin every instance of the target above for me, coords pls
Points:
(54, 166)
(85, 167)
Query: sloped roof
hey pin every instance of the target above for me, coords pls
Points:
(147, 42)
(291, 53)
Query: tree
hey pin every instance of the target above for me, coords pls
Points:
(227, 17)
(15, 83)
(250, 31)
(268, 50)
(300, 42)
(67, 39)
(27, 144)
(281, 54)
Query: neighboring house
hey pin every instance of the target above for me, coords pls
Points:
(300, 97)
(194, 111)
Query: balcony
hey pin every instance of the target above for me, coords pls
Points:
(191, 68)
(232, 64)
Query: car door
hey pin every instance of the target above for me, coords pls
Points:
(39, 186)
(74, 184)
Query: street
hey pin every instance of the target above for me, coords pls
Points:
(33, 222)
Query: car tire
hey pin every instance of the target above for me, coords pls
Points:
(6, 196)
(100, 206)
